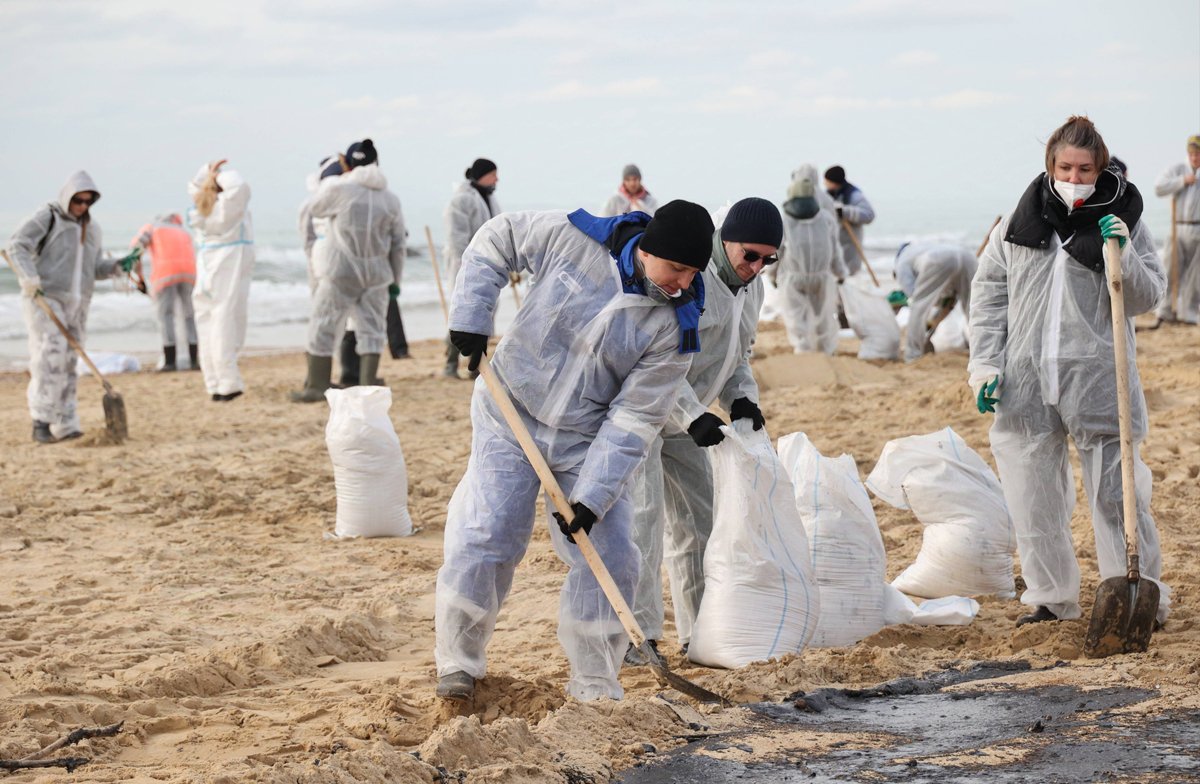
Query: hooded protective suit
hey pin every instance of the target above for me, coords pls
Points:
(365, 255)
(1042, 322)
(929, 272)
(593, 372)
(673, 490)
(810, 264)
(621, 202)
(224, 264)
(467, 211)
(1187, 243)
(61, 255)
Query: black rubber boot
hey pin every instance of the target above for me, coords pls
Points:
(194, 356)
(168, 360)
(41, 432)
(317, 382)
(368, 371)
(348, 358)
(1042, 613)
(456, 686)
(451, 369)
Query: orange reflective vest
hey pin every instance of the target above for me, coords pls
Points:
(172, 259)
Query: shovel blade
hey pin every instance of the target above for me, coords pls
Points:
(684, 686)
(114, 417)
(1122, 617)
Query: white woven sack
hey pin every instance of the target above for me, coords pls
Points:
(871, 318)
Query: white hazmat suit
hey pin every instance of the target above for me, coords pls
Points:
(593, 372)
(1042, 322)
(1187, 243)
(928, 273)
(224, 264)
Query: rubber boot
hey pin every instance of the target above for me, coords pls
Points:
(451, 369)
(317, 382)
(368, 369)
(41, 432)
(348, 358)
(194, 356)
(168, 360)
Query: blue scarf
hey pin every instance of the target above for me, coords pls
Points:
(620, 235)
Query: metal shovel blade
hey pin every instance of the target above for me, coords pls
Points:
(114, 416)
(667, 678)
(1122, 617)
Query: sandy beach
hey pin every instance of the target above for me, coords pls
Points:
(181, 583)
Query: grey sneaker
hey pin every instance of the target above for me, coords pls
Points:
(456, 686)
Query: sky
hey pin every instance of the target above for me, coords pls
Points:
(938, 109)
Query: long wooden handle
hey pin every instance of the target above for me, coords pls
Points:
(41, 301)
(500, 394)
(437, 276)
(859, 248)
(988, 236)
(1173, 291)
(1124, 415)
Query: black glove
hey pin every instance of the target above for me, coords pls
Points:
(745, 408)
(838, 210)
(470, 344)
(706, 430)
(584, 518)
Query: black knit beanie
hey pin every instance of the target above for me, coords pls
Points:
(361, 154)
(753, 220)
(480, 168)
(680, 231)
(836, 175)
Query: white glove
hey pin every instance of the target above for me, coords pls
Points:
(30, 286)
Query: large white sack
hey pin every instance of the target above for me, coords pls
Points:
(108, 363)
(968, 540)
(871, 318)
(951, 334)
(846, 550)
(368, 465)
(760, 598)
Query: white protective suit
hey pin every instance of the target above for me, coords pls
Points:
(593, 372)
(224, 263)
(673, 490)
(1187, 244)
(620, 203)
(810, 264)
(928, 272)
(1042, 322)
(63, 254)
(464, 215)
(365, 250)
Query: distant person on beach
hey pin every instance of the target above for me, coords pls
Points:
(57, 255)
(592, 362)
(224, 236)
(1179, 183)
(172, 278)
(472, 205)
(631, 195)
(366, 258)
(1042, 360)
(673, 489)
(851, 208)
(932, 277)
(810, 266)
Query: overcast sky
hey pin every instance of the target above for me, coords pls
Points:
(938, 109)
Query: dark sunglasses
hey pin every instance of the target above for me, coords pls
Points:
(753, 256)
(85, 202)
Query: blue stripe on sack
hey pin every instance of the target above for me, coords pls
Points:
(208, 245)
(816, 512)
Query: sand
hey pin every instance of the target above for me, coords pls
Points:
(181, 583)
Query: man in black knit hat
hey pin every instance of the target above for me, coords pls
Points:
(472, 205)
(853, 209)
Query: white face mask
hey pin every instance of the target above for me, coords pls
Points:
(1074, 192)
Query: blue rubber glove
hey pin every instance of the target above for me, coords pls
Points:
(987, 399)
(394, 291)
(1111, 226)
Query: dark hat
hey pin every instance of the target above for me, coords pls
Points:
(332, 169)
(836, 175)
(680, 231)
(361, 154)
(631, 170)
(753, 220)
(480, 168)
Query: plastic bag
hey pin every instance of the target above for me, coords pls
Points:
(368, 464)
(760, 598)
(871, 318)
(968, 543)
(847, 555)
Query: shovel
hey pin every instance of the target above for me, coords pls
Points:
(1125, 608)
(114, 405)
(437, 276)
(636, 635)
(858, 247)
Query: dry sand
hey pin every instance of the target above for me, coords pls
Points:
(180, 583)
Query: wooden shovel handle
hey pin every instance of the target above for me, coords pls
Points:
(437, 276)
(858, 247)
(636, 635)
(1124, 414)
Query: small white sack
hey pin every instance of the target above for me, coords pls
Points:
(871, 318)
(108, 363)
(951, 334)
(968, 543)
(368, 465)
(760, 598)
(847, 554)
(946, 611)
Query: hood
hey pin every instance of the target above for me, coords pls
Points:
(369, 176)
(228, 179)
(78, 182)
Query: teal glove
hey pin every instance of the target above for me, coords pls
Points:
(127, 262)
(394, 291)
(985, 401)
(1111, 226)
(897, 299)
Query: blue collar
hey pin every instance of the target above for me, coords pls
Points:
(620, 236)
